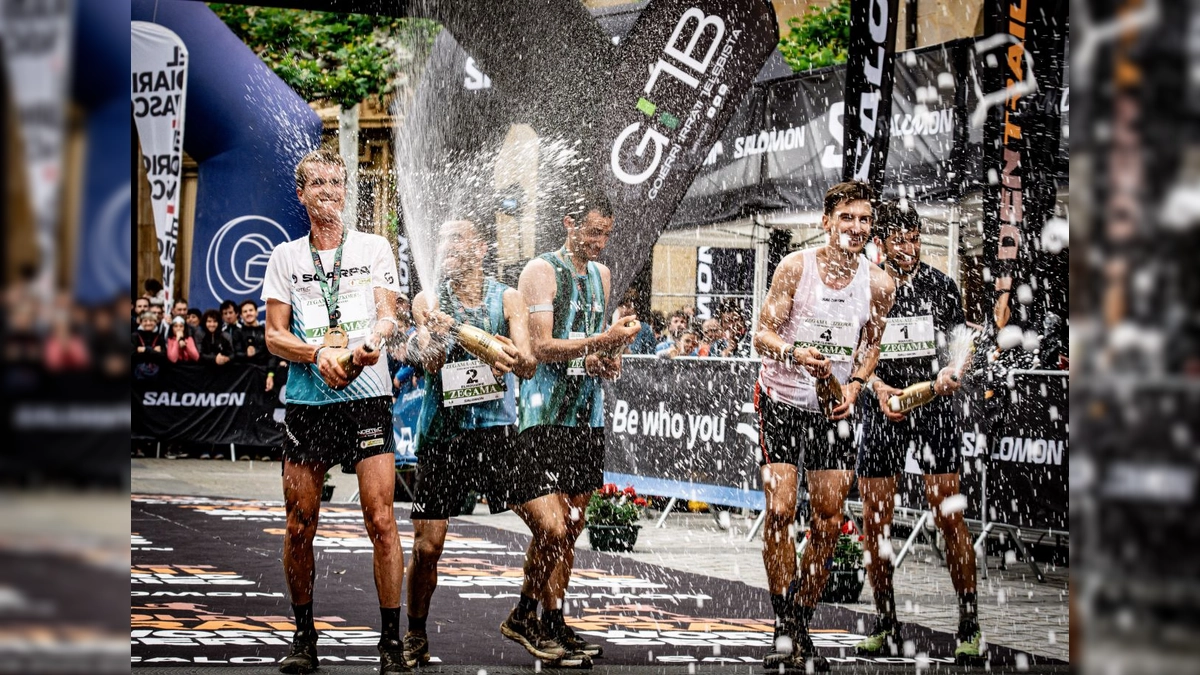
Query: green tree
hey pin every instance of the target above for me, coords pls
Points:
(820, 38)
(343, 59)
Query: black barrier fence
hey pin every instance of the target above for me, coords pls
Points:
(687, 428)
(209, 404)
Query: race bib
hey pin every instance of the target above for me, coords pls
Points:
(575, 366)
(834, 339)
(469, 382)
(353, 302)
(908, 336)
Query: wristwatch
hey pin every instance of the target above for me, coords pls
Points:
(859, 380)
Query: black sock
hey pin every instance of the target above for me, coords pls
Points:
(304, 618)
(416, 625)
(968, 615)
(391, 623)
(805, 615)
(885, 604)
(527, 604)
(552, 618)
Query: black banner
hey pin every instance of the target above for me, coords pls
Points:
(208, 404)
(1020, 145)
(679, 77)
(685, 428)
(1028, 473)
(720, 273)
(869, 90)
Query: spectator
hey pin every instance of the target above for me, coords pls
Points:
(230, 325)
(107, 344)
(710, 333)
(735, 343)
(140, 306)
(195, 322)
(676, 324)
(215, 348)
(156, 308)
(658, 323)
(250, 343)
(181, 346)
(65, 349)
(687, 344)
(179, 308)
(149, 347)
(154, 291)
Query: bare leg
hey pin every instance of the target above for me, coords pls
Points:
(302, 499)
(827, 493)
(574, 507)
(779, 527)
(879, 499)
(376, 487)
(429, 539)
(546, 518)
(960, 553)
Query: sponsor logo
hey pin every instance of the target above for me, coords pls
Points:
(475, 79)
(371, 443)
(236, 261)
(874, 58)
(1030, 450)
(370, 431)
(346, 273)
(663, 423)
(686, 66)
(191, 399)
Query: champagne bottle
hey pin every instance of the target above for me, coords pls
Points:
(913, 396)
(352, 369)
(829, 393)
(479, 343)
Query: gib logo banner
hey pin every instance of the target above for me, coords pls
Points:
(158, 60)
(680, 75)
(869, 90)
(37, 44)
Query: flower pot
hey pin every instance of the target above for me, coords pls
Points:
(326, 492)
(612, 538)
(843, 586)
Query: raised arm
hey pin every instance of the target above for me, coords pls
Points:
(433, 327)
(538, 287)
(517, 314)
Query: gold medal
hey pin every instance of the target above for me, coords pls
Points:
(336, 337)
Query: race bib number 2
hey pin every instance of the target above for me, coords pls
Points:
(575, 366)
(469, 382)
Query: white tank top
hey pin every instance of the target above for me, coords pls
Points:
(828, 319)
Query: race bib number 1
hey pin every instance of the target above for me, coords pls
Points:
(834, 339)
(575, 366)
(907, 336)
(469, 382)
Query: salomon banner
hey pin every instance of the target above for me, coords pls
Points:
(1020, 144)
(684, 428)
(680, 75)
(36, 37)
(723, 276)
(208, 404)
(158, 61)
(865, 126)
(1028, 473)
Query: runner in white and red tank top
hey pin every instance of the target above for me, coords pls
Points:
(823, 317)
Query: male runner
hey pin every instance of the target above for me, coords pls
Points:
(823, 317)
(327, 293)
(467, 427)
(560, 456)
(928, 306)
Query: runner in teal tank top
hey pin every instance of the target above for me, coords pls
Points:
(467, 428)
(560, 449)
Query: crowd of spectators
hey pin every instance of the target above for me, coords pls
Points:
(726, 335)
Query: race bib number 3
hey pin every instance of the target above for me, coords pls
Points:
(834, 339)
(575, 366)
(469, 382)
(908, 336)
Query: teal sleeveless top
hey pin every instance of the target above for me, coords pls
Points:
(438, 422)
(553, 397)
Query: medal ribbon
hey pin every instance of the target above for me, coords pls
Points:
(329, 290)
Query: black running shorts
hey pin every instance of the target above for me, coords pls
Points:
(338, 433)
(790, 435)
(932, 433)
(550, 459)
(472, 461)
